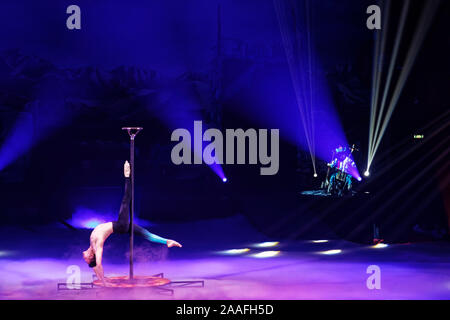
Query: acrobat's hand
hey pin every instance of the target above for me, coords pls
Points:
(173, 243)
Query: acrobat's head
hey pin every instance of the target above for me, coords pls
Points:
(89, 257)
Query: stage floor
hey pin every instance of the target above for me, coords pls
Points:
(32, 263)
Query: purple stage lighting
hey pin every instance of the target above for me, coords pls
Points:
(294, 97)
(177, 106)
(41, 118)
(217, 169)
(19, 140)
(353, 170)
(85, 218)
(280, 110)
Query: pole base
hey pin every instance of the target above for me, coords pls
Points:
(136, 282)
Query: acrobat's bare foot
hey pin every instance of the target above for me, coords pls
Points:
(173, 243)
(126, 169)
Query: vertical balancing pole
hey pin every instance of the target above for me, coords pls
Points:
(132, 132)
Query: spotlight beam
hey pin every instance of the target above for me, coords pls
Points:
(424, 164)
(310, 64)
(415, 167)
(424, 203)
(424, 172)
(385, 205)
(419, 36)
(383, 157)
(378, 198)
(377, 71)
(372, 105)
(296, 63)
(391, 68)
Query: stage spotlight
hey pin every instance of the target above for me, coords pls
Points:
(266, 254)
(359, 179)
(5, 253)
(319, 241)
(267, 244)
(367, 173)
(236, 251)
(224, 179)
(315, 175)
(380, 245)
(329, 252)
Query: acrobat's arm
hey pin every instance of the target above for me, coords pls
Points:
(99, 268)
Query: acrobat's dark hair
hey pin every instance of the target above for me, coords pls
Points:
(93, 262)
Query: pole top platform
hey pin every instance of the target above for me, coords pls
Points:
(130, 129)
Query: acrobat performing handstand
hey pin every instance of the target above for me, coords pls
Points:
(93, 255)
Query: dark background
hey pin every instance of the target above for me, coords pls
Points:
(154, 63)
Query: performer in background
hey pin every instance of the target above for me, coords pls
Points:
(342, 162)
(93, 255)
